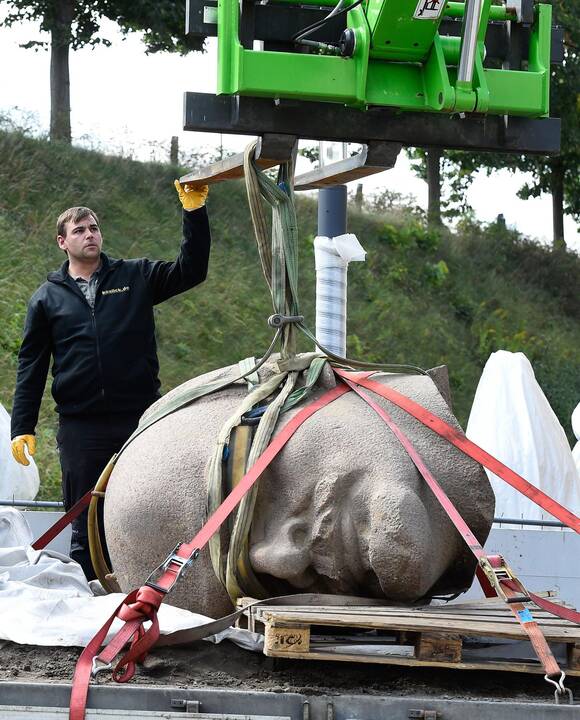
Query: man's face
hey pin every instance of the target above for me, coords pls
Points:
(82, 240)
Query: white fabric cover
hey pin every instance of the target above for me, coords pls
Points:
(331, 257)
(14, 530)
(46, 600)
(16, 481)
(512, 419)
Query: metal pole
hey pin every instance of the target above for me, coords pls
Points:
(331, 282)
(31, 503)
(469, 33)
(526, 523)
(332, 211)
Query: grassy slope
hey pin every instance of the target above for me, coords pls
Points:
(418, 299)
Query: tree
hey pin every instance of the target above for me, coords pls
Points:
(74, 24)
(558, 175)
(434, 185)
(432, 166)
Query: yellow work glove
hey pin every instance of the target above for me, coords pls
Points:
(191, 197)
(19, 443)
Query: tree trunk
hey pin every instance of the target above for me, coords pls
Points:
(174, 150)
(358, 198)
(60, 38)
(557, 188)
(434, 184)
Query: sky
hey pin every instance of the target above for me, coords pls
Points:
(126, 101)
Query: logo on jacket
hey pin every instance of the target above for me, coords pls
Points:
(113, 291)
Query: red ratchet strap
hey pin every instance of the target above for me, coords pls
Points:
(458, 439)
(62, 522)
(514, 584)
(489, 588)
(499, 576)
(141, 605)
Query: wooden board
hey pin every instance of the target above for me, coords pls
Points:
(271, 150)
(436, 636)
(373, 158)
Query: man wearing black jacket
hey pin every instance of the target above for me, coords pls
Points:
(94, 317)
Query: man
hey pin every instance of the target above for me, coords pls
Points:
(94, 317)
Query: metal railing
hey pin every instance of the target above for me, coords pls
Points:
(530, 523)
(32, 504)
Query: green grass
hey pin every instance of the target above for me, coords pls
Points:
(420, 298)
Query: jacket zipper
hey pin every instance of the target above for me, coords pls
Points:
(78, 291)
(99, 363)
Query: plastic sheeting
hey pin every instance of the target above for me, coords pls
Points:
(16, 481)
(332, 257)
(14, 530)
(512, 419)
(45, 598)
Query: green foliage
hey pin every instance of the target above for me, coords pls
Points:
(392, 236)
(78, 22)
(436, 273)
(422, 298)
(548, 174)
(388, 200)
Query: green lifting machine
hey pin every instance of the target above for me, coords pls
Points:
(384, 73)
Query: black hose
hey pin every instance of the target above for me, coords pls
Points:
(315, 26)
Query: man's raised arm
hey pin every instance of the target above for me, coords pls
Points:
(167, 279)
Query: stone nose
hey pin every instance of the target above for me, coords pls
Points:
(285, 552)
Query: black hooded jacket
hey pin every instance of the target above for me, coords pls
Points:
(104, 359)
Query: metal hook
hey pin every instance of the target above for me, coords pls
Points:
(98, 666)
(277, 320)
(561, 689)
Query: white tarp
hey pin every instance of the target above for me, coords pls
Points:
(46, 600)
(512, 419)
(16, 481)
(14, 530)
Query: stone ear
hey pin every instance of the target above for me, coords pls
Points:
(440, 376)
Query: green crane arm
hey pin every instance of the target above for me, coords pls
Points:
(413, 55)
(427, 73)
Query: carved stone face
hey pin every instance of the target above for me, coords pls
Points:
(342, 509)
(346, 511)
(314, 534)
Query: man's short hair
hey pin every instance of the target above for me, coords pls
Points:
(74, 215)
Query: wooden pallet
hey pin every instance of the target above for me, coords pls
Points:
(481, 635)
